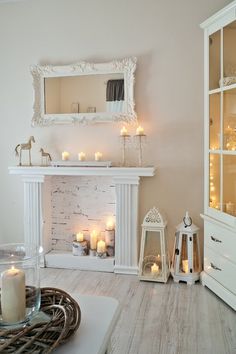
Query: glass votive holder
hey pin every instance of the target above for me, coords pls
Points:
(19, 283)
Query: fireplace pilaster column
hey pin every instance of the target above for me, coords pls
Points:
(126, 252)
(33, 220)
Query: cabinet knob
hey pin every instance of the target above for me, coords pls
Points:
(215, 267)
(215, 239)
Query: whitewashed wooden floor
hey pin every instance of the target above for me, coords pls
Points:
(156, 318)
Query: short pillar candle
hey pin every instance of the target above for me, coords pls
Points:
(65, 155)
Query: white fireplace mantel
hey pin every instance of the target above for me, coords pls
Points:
(37, 212)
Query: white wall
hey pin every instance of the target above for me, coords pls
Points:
(166, 38)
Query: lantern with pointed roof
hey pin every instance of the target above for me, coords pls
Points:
(186, 265)
(153, 261)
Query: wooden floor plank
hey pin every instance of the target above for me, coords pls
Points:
(156, 318)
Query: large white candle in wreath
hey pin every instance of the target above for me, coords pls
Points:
(13, 295)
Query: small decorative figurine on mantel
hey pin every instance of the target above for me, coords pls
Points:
(45, 157)
(26, 146)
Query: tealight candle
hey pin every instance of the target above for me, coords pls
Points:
(93, 240)
(155, 269)
(65, 155)
(101, 246)
(123, 132)
(79, 237)
(13, 295)
(81, 156)
(98, 156)
(140, 131)
(185, 265)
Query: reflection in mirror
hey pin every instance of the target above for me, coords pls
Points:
(84, 92)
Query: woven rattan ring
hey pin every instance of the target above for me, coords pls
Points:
(42, 338)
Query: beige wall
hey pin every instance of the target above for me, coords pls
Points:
(166, 38)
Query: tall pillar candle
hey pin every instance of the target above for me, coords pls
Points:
(110, 234)
(13, 296)
(93, 240)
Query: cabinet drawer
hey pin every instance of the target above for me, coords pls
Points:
(220, 240)
(220, 269)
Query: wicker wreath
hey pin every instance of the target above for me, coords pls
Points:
(42, 338)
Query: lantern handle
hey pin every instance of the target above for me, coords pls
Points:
(189, 219)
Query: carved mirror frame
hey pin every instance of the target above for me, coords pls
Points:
(126, 66)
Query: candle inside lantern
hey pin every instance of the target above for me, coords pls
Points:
(101, 246)
(93, 240)
(140, 131)
(79, 237)
(124, 131)
(185, 265)
(98, 156)
(65, 155)
(81, 156)
(13, 295)
(154, 269)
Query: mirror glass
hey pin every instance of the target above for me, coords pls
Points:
(84, 93)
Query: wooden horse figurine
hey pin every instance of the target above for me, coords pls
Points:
(45, 156)
(26, 146)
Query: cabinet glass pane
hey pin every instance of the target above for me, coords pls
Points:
(214, 121)
(214, 60)
(229, 184)
(230, 119)
(229, 54)
(214, 181)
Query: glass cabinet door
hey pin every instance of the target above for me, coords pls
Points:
(214, 121)
(222, 120)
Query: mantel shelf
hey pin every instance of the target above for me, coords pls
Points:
(83, 171)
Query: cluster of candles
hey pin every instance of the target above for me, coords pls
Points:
(139, 131)
(98, 155)
(98, 247)
(81, 156)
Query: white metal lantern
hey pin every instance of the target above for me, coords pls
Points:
(186, 264)
(153, 261)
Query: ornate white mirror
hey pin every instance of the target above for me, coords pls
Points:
(84, 92)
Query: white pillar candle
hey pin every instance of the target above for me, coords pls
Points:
(110, 233)
(154, 269)
(65, 155)
(13, 295)
(185, 265)
(110, 225)
(123, 132)
(81, 156)
(101, 246)
(80, 237)
(140, 131)
(98, 156)
(93, 240)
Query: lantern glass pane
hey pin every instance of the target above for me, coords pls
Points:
(152, 260)
(184, 266)
(196, 266)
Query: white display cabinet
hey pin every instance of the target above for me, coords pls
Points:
(220, 154)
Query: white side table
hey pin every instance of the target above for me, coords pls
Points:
(98, 319)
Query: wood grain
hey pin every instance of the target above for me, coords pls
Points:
(156, 318)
